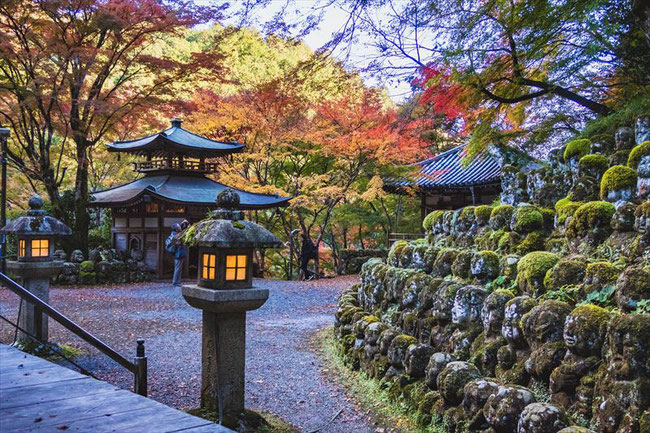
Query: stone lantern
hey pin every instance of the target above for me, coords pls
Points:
(225, 292)
(35, 263)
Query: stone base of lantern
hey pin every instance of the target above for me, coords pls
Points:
(223, 347)
(35, 277)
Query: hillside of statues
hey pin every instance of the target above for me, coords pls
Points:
(530, 316)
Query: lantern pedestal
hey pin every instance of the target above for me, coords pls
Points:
(224, 346)
(35, 277)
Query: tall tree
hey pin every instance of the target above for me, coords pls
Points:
(72, 71)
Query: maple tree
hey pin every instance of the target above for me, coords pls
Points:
(72, 72)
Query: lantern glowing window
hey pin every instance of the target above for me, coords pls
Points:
(21, 248)
(235, 268)
(208, 270)
(40, 247)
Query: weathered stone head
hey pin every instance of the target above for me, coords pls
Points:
(642, 219)
(542, 418)
(397, 349)
(501, 216)
(443, 262)
(628, 345)
(468, 302)
(493, 311)
(475, 395)
(642, 129)
(632, 286)
(448, 221)
(618, 184)
(544, 323)
(584, 330)
(485, 266)
(516, 309)
(437, 362)
(444, 301)
(77, 256)
(643, 181)
(416, 359)
(453, 378)
(503, 408)
(624, 138)
(385, 339)
(598, 275)
(373, 332)
(623, 219)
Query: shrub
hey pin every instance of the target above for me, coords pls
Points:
(637, 153)
(577, 148)
(590, 216)
(617, 177)
(86, 266)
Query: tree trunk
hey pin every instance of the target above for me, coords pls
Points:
(82, 219)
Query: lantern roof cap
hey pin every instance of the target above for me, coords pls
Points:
(227, 229)
(36, 222)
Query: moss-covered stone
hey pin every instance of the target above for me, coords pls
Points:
(618, 177)
(500, 216)
(532, 269)
(632, 286)
(592, 220)
(586, 188)
(453, 378)
(566, 271)
(565, 208)
(395, 252)
(637, 154)
(482, 214)
(620, 157)
(461, 265)
(485, 266)
(527, 219)
(593, 165)
(576, 149)
(532, 242)
(87, 266)
(397, 349)
(443, 262)
(503, 408)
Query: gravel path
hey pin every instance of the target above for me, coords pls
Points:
(282, 375)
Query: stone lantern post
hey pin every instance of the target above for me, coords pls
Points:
(225, 292)
(35, 263)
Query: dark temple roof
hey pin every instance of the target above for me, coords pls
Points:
(175, 140)
(193, 190)
(448, 170)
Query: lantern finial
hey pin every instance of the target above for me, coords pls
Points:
(35, 205)
(228, 199)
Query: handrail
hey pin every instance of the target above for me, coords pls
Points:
(137, 368)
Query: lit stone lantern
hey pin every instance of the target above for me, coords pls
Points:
(225, 292)
(35, 263)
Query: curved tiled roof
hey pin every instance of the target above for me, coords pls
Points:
(176, 139)
(194, 190)
(448, 170)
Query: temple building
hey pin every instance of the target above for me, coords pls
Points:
(446, 182)
(174, 187)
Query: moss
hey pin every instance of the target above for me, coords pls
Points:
(86, 266)
(507, 240)
(643, 209)
(482, 213)
(532, 242)
(604, 272)
(593, 164)
(566, 271)
(577, 148)
(467, 212)
(617, 177)
(565, 208)
(620, 157)
(238, 225)
(590, 216)
(461, 265)
(403, 341)
(502, 212)
(406, 255)
(637, 154)
(527, 219)
(532, 269)
(443, 262)
(431, 219)
(395, 252)
(548, 216)
(490, 265)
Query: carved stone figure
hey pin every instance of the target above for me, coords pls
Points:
(452, 380)
(571, 384)
(475, 395)
(512, 356)
(437, 362)
(542, 328)
(486, 346)
(643, 178)
(541, 418)
(622, 394)
(632, 286)
(77, 256)
(624, 138)
(416, 359)
(441, 315)
(502, 409)
(465, 314)
(642, 129)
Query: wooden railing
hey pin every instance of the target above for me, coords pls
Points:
(139, 365)
(175, 164)
(394, 237)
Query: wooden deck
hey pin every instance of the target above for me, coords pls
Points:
(37, 395)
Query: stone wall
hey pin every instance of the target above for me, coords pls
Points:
(530, 316)
(102, 267)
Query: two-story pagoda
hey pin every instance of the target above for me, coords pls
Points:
(173, 187)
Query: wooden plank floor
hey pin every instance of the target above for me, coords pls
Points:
(37, 395)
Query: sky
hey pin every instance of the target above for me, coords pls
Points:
(333, 18)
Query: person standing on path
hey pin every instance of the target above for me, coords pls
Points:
(179, 251)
